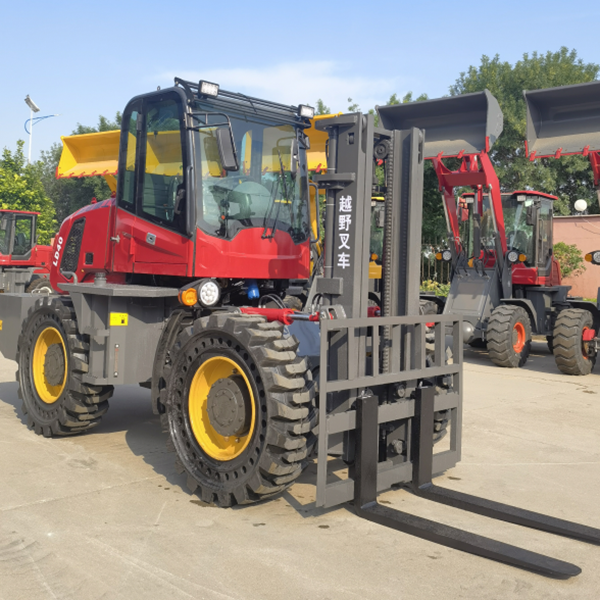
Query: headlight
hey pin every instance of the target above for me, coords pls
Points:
(308, 112)
(209, 292)
(206, 88)
(593, 257)
(447, 255)
(512, 256)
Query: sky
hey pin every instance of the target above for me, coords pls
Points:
(82, 60)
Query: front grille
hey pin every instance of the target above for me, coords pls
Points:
(70, 257)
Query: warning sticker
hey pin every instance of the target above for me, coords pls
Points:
(118, 319)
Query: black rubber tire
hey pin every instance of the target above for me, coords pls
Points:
(281, 440)
(500, 336)
(570, 353)
(428, 307)
(293, 302)
(80, 406)
(41, 285)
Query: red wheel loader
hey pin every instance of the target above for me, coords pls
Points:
(24, 265)
(505, 281)
(565, 121)
(176, 284)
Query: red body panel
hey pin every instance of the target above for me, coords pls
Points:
(246, 256)
(522, 275)
(40, 257)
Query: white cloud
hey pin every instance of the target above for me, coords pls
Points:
(301, 82)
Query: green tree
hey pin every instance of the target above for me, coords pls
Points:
(322, 108)
(570, 177)
(21, 188)
(69, 195)
(570, 259)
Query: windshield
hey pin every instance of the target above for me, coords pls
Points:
(466, 225)
(519, 235)
(262, 193)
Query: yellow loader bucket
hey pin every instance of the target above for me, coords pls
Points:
(563, 120)
(316, 155)
(89, 155)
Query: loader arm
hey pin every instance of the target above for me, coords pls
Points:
(463, 127)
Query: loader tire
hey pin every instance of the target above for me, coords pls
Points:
(428, 307)
(41, 285)
(239, 410)
(509, 336)
(293, 302)
(572, 354)
(51, 359)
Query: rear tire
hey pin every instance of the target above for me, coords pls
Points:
(573, 356)
(271, 409)
(509, 336)
(52, 358)
(41, 285)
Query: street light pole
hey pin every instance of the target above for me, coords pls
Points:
(33, 108)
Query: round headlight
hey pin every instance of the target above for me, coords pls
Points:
(596, 257)
(209, 292)
(513, 256)
(447, 255)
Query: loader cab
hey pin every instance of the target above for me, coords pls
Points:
(17, 232)
(528, 221)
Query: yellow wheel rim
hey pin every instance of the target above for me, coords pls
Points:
(213, 443)
(48, 393)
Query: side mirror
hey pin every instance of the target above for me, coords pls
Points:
(294, 158)
(227, 152)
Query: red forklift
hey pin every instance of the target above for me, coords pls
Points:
(24, 265)
(505, 282)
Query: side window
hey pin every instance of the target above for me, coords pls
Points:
(22, 235)
(127, 199)
(163, 184)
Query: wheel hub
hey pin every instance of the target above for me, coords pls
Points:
(228, 406)
(54, 365)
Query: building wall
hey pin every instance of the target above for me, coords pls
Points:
(583, 232)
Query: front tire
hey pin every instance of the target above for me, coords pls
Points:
(238, 407)
(52, 358)
(509, 336)
(573, 354)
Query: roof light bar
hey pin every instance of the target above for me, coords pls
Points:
(305, 111)
(206, 88)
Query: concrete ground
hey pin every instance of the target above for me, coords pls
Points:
(105, 515)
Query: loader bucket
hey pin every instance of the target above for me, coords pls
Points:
(563, 120)
(90, 154)
(454, 126)
(316, 156)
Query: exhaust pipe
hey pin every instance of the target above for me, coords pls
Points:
(454, 126)
(563, 120)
